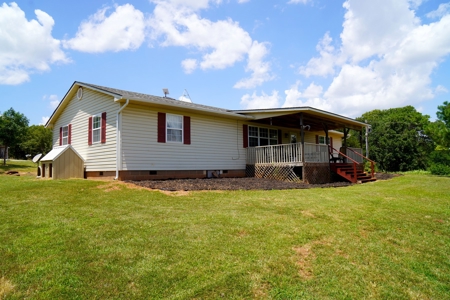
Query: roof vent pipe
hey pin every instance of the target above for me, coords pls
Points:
(166, 92)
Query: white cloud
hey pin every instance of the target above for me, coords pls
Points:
(123, 29)
(243, 1)
(323, 65)
(443, 9)
(26, 46)
(220, 44)
(298, 1)
(264, 101)
(311, 96)
(385, 59)
(256, 64)
(44, 120)
(189, 65)
(53, 100)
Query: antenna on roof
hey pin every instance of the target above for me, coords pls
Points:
(186, 97)
(166, 92)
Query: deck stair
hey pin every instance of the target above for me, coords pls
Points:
(347, 171)
(349, 168)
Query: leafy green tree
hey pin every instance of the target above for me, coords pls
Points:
(398, 141)
(440, 129)
(13, 128)
(38, 140)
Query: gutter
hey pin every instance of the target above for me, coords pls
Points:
(119, 139)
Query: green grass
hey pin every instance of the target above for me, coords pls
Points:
(77, 239)
(18, 165)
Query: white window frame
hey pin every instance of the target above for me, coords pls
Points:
(65, 138)
(275, 140)
(175, 129)
(99, 129)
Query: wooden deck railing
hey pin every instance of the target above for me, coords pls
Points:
(362, 158)
(316, 153)
(275, 154)
(292, 154)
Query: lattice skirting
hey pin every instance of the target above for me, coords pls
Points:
(283, 173)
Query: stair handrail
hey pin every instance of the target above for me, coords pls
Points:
(354, 161)
(372, 163)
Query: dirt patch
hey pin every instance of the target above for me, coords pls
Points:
(6, 287)
(386, 176)
(304, 260)
(229, 184)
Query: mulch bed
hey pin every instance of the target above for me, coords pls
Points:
(247, 183)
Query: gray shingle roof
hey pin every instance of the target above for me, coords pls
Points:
(163, 100)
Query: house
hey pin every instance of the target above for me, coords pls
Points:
(132, 136)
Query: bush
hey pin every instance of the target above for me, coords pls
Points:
(440, 162)
(440, 169)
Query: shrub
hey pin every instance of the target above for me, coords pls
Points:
(440, 162)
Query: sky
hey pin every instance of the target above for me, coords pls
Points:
(347, 57)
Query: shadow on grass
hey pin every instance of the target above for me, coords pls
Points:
(20, 166)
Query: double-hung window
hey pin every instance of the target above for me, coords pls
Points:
(65, 135)
(258, 136)
(174, 128)
(96, 129)
(322, 140)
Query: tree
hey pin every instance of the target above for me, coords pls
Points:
(13, 127)
(440, 129)
(38, 140)
(398, 141)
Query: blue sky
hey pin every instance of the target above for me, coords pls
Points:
(348, 57)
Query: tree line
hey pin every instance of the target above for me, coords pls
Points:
(20, 139)
(401, 139)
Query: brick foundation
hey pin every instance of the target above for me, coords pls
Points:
(159, 175)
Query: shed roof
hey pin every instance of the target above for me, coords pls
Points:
(57, 151)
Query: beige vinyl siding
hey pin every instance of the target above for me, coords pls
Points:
(216, 143)
(98, 157)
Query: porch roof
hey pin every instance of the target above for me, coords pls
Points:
(290, 117)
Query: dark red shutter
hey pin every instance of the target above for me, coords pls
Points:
(161, 127)
(186, 130)
(90, 131)
(103, 134)
(331, 142)
(60, 136)
(70, 134)
(245, 135)
(280, 138)
(317, 139)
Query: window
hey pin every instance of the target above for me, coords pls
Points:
(65, 135)
(174, 128)
(96, 129)
(262, 136)
(322, 140)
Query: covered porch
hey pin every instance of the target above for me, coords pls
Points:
(302, 144)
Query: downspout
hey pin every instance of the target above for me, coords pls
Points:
(119, 138)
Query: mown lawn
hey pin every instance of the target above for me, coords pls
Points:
(22, 166)
(77, 239)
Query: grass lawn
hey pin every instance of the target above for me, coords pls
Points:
(78, 239)
(22, 166)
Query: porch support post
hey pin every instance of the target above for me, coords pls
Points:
(325, 128)
(346, 130)
(302, 137)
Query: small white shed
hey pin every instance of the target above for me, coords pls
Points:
(61, 163)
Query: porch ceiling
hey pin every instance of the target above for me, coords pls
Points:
(316, 122)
